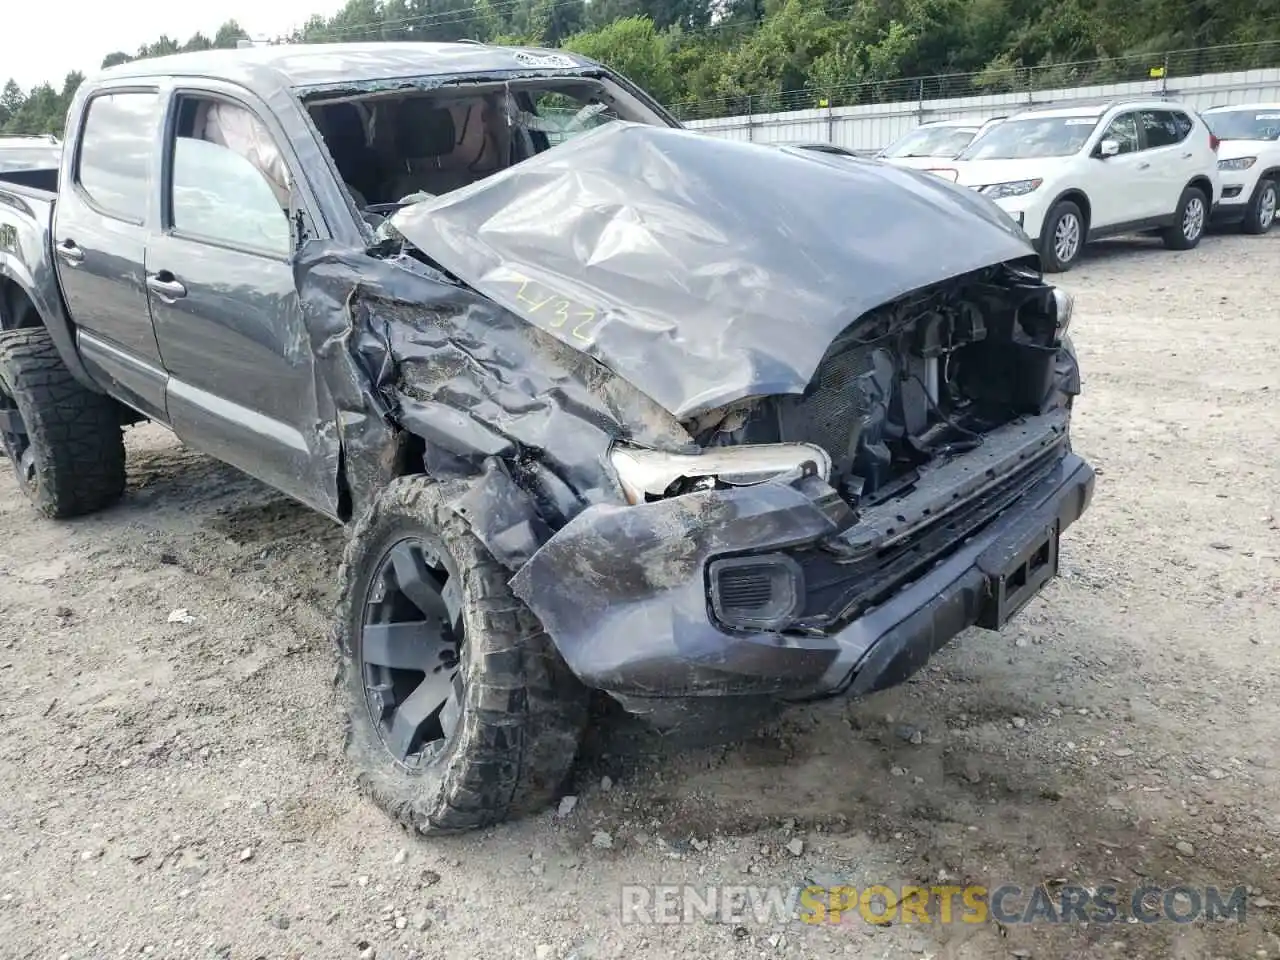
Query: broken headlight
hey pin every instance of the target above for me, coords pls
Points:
(651, 475)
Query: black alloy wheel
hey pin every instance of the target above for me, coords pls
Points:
(410, 651)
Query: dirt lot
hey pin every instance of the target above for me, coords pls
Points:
(176, 789)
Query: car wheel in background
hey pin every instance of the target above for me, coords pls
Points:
(1262, 208)
(1188, 221)
(1062, 238)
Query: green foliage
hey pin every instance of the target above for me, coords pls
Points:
(730, 56)
(636, 49)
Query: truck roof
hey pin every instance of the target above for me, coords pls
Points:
(329, 64)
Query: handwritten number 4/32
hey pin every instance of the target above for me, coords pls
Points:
(563, 312)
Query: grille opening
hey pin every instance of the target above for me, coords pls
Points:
(756, 593)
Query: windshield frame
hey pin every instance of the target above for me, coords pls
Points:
(1006, 129)
(624, 100)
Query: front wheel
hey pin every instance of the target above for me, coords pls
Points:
(460, 713)
(1262, 208)
(1188, 221)
(1062, 238)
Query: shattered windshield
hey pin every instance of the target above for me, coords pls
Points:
(931, 142)
(396, 148)
(1252, 124)
(1032, 137)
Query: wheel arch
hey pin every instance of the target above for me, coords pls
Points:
(1077, 196)
(18, 311)
(22, 291)
(1203, 184)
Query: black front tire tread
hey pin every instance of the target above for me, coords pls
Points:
(1048, 256)
(1174, 238)
(1252, 217)
(74, 432)
(524, 711)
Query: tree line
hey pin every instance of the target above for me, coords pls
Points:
(729, 56)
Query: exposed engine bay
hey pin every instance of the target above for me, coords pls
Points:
(911, 384)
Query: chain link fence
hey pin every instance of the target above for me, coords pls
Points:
(1159, 67)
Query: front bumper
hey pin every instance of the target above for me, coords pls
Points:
(624, 594)
(1237, 191)
(1028, 212)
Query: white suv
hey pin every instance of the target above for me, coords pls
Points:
(1248, 161)
(931, 143)
(1072, 174)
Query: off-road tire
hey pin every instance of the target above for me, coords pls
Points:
(522, 711)
(73, 433)
(1174, 235)
(1256, 218)
(1050, 260)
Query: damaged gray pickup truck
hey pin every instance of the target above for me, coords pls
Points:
(608, 405)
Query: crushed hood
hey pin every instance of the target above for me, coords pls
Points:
(699, 269)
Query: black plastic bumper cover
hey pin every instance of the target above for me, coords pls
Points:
(635, 622)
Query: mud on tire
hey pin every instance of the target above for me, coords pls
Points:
(519, 712)
(65, 441)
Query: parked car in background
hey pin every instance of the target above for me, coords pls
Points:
(1248, 161)
(928, 143)
(1068, 175)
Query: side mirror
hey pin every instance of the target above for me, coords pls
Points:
(1108, 148)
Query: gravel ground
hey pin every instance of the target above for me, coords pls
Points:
(175, 789)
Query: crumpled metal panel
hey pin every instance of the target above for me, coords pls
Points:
(403, 350)
(698, 269)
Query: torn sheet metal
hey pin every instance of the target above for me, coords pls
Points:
(704, 270)
(406, 352)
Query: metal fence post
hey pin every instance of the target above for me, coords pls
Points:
(750, 133)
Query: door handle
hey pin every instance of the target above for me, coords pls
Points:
(166, 287)
(1143, 166)
(1187, 156)
(70, 253)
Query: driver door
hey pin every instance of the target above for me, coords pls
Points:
(1115, 183)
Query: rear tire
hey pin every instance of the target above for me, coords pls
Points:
(503, 714)
(1189, 221)
(63, 439)
(1062, 237)
(1261, 213)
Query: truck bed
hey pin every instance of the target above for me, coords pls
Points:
(40, 182)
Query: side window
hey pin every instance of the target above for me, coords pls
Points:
(1182, 124)
(1124, 130)
(228, 184)
(1161, 128)
(115, 148)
